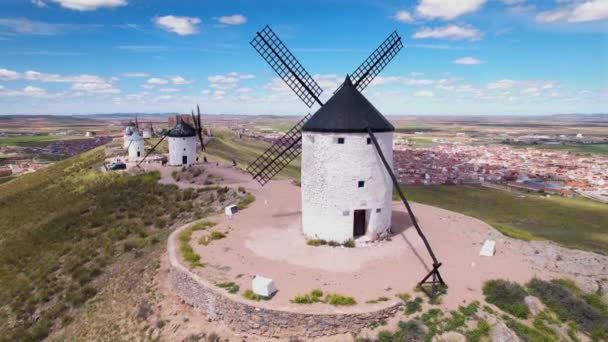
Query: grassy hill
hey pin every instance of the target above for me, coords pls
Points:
(226, 146)
(572, 222)
(63, 228)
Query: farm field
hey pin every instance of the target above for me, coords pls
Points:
(32, 140)
(575, 223)
(575, 148)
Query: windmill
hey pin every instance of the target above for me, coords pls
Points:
(127, 132)
(346, 117)
(182, 141)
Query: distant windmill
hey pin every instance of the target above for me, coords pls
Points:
(346, 187)
(127, 132)
(182, 141)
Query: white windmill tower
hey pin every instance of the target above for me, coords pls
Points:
(127, 132)
(346, 191)
(182, 141)
(136, 145)
(346, 146)
(182, 144)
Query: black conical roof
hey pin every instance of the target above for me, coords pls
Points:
(182, 130)
(347, 111)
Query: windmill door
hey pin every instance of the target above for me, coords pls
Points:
(359, 223)
(184, 160)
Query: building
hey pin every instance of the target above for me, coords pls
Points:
(136, 146)
(182, 144)
(346, 190)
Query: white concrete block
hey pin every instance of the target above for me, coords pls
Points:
(488, 248)
(263, 286)
(231, 210)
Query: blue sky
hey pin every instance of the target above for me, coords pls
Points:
(480, 57)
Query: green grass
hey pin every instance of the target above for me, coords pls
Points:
(225, 146)
(570, 304)
(229, 286)
(61, 227)
(575, 148)
(404, 296)
(32, 140)
(249, 294)
(377, 300)
(216, 235)
(314, 296)
(413, 306)
(339, 300)
(6, 179)
(572, 222)
(316, 242)
(508, 296)
(193, 259)
(245, 201)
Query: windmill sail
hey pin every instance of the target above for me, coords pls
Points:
(373, 65)
(279, 155)
(276, 54)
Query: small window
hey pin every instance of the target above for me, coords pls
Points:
(184, 148)
(378, 210)
(369, 141)
(345, 213)
(361, 184)
(340, 141)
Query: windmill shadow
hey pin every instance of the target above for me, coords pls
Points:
(401, 223)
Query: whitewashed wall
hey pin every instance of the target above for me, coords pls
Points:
(137, 145)
(126, 140)
(330, 193)
(179, 147)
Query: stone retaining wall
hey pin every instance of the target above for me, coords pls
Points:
(247, 318)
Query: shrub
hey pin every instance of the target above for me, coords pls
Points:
(525, 332)
(406, 331)
(229, 286)
(313, 297)
(249, 294)
(349, 243)
(440, 290)
(316, 242)
(508, 296)
(413, 306)
(404, 296)
(216, 235)
(482, 330)
(470, 309)
(333, 243)
(245, 201)
(339, 300)
(565, 302)
(377, 300)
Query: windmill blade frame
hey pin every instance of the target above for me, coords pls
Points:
(280, 154)
(375, 63)
(199, 127)
(284, 63)
(153, 148)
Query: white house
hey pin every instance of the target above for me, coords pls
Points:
(346, 190)
(182, 144)
(136, 146)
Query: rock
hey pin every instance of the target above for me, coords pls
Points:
(534, 304)
(502, 333)
(450, 336)
(488, 249)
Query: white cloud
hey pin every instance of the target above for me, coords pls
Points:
(590, 11)
(157, 81)
(447, 9)
(585, 11)
(34, 91)
(168, 90)
(513, 2)
(467, 61)
(232, 77)
(183, 26)
(403, 16)
(453, 32)
(551, 16)
(529, 90)
(424, 93)
(136, 74)
(10, 75)
(178, 80)
(243, 90)
(90, 5)
(236, 19)
(38, 3)
(97, 88)
(502, 84)
(31, 27)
